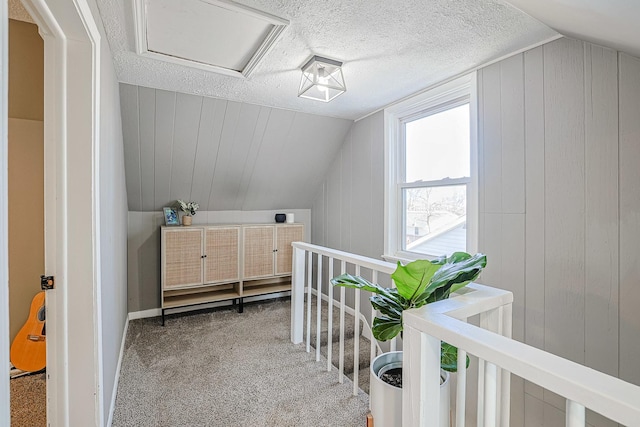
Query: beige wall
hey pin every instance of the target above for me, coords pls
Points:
(26, 71)
(26, 163)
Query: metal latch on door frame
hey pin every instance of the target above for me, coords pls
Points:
(47, 282)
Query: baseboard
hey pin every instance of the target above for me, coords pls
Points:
(117, 379)
(155, 312)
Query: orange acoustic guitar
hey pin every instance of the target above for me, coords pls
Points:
(29, 348)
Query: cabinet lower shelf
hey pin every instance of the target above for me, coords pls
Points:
(268, 286)
(202, 294)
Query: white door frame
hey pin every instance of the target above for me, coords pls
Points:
(5, 411)
(72, 64)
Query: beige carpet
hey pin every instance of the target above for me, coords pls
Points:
(228, 369)
(29, 401)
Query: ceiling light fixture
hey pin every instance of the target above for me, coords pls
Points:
(322, 79)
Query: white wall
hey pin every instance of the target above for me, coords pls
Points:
(144, 247)
(559, 206)
(113, 228)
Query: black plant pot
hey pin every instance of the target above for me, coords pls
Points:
(281, 217)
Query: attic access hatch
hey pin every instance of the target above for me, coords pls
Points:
(212, 35)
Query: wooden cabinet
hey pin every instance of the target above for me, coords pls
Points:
(259, 248)
(201, 264)
(268, 251)
(285, 235)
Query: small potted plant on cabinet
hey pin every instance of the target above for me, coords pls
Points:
(189, 209)
(417, 283)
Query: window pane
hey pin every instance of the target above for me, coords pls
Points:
(437, 146)
(435, 219)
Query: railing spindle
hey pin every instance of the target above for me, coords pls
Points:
(309, 286)
(490, 393)
(373, 353)
(330, 317)
(356, 338)
(575, 414)
(318, 307)
(343, 269)
(461, 390)
(505, 389)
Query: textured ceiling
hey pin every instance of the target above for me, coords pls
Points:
(612, 23)
(391, 49)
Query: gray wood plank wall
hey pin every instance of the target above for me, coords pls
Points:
(559, 206)
(224, 155)
(557, 126)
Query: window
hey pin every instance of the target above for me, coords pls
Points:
(430, 169)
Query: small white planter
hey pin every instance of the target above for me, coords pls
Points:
(386, 400)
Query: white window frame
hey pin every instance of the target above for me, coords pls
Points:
(440, 98)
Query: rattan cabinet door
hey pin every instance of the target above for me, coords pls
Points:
(258, 251)
(285, 235)
(222, 249)
(182, 257)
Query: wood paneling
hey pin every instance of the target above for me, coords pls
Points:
(164, 139)
(558, 200)
(187, 122)
(222, 154)
(512, 134)
(147, 133)
(492, 139)
(559, 103)
(130, 122)
(601, 209)
(564, 199)
(535, 207)
(629, 85)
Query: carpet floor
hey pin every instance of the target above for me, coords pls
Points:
(29, 401)
(227, 369)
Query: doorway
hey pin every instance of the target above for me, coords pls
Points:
(71, 243)
(26, 219)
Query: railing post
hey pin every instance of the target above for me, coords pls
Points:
(420, 379)
(297, 296)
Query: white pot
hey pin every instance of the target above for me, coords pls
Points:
(386, 400)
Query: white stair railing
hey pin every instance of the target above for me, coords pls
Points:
(493, 306)
(498, 355)
(305, 257)
(582, 387)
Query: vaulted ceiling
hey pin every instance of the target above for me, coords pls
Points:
(224, 155)
(246, 144)
(611, 23)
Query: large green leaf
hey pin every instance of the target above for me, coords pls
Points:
(413, 278)
(357, 282)
(388, 306)
(457, 271)
(385, 328)
(449, 357)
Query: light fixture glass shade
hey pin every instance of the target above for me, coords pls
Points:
(322, 79)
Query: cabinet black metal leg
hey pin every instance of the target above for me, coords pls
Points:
(240, 306)
(163, 317)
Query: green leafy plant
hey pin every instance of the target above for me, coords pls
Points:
(417, 283)
(189, 208)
